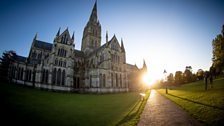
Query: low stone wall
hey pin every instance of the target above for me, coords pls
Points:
(104, 90)
(21, 82)
(54, 87)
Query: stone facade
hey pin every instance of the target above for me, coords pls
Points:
(95, 68)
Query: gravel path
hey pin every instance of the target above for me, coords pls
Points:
(159, 111)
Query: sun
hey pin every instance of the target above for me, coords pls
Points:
(148, 80)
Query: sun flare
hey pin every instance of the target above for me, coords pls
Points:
(148, 80)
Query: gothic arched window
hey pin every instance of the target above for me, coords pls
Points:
(30, 73)
(92, 43)
(59, 77)
(74, 83)
(39, 56)
(21, 75)
(54, 76)
(64, 64)
(59, 63)
(63, 77)
(101, 80)
(104, 80)
(121, 80)
(26, 75)
(116, 80)
(90, 80)
(14, 72)
(66, 40)
(78, 82)
(65, 53)
(61, 53)
(18, 74)
(59, 50)
(62, 39)
(95, 43)
(43, 76)
(34, 54)
(46, 76)
(56, 61)
(112, 80)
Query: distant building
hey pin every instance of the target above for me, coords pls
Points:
(95, 68)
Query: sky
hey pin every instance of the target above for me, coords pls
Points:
(168, 34)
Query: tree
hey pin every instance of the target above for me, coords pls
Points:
(212, 71)
(188, 76)
(200, 74)
(178, 77)
(170, 78)
(5, 60)
(194, 77)
(218, 52)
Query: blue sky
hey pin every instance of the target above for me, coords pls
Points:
(168, 34)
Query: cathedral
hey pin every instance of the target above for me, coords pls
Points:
(59, 66)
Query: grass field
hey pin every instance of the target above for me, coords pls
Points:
(28, 106)
(206, 106)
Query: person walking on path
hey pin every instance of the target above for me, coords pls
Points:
(159, 111)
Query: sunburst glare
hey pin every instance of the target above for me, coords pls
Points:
(148, 80)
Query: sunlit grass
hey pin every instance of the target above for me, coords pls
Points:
(133, 116)
(29, 106)
(206, 106)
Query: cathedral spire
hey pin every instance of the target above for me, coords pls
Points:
(144, 67)
(91, 39)
(66, 29)
(73, 36)
(122, 46)
(93, 16)
(58, 32)
(35, 37)
(107, 36)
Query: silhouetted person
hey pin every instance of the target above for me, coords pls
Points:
(206, 76)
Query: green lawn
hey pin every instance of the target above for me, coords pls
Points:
(27, 106)
(206, 106)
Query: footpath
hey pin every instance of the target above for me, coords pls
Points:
(159, 111)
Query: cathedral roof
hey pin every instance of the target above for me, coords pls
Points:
(79, 53)
(20, 58)
(133, 67)
(99, 49)
(43, 45)
(105, 45)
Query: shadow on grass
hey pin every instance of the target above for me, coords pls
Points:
(215, 107)
(133, 115)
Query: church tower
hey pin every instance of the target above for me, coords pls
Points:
(91, 39)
